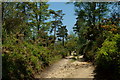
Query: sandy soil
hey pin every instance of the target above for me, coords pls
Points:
(69, 68)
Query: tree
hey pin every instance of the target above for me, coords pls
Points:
(38, 16)
(57, 22)
(62, 33)
(89, 18)
(15, 18)
(89, 14)
(27, 48)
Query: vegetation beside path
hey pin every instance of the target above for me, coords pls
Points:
(34, 37)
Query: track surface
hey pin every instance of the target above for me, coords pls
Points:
(69, 68)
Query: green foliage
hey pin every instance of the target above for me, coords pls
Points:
(99, 37)
(62, 33)
(62, 50)
(23, 59)
(56, 25)
(71, 43)
(108, 57)
(27, 47)
(18, 60)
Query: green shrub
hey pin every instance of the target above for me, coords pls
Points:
(21, 60)
(61, 50)
(108, 57)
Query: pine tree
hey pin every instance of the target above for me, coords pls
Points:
(15, 19)
(89, 18)
(62, 33)
(38, 15)
(57, 22)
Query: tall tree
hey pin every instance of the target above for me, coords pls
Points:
(62, 33)
(15, 13)
(89, 14)
(89, 18)
(39, 14)
(57, 22)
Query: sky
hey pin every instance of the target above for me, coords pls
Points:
(69, 18)
(59, 0)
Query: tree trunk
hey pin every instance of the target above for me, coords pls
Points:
(63, 41)
(54, 36)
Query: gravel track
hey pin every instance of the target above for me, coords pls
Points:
(69, 68)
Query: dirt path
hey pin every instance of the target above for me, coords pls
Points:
(69, 68)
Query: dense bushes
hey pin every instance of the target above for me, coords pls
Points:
(108, 58)
(22, 59)
(61, 50)
(104, 51)
(19, 60)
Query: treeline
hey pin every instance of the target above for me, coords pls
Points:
(98, 30)
(27, 45)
